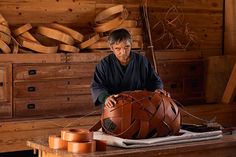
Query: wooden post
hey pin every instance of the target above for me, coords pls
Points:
(230, 29)
(230, 90)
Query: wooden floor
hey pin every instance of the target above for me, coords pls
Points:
(14, 134)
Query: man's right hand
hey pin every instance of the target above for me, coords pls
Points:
(110, 101)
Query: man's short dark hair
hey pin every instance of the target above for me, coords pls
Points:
(119, 35)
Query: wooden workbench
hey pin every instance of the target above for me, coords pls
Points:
(224, 147)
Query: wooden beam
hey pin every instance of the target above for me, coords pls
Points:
(230, 90)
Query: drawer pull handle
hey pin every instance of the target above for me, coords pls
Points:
(1, 84)
(194, 84)
(31, 89)
(31, 106)
(193, 68)
(173, 85)
(32, 72)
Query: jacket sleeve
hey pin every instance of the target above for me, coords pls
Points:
(153, 79)
(98, 88)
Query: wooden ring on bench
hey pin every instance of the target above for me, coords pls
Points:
(76, 135)
(82, 147)
(55, 142)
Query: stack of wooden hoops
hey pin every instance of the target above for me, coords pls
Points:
(65, 36)
(76, 141)
(114, 18)
(69, 40)
(5, 36)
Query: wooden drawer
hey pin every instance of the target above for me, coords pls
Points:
(183, 79)
(173, 85)
(169, 69)
(52, 71)
(181, 68)
(193, 68)
(64, 105)
(192, 90)
(193, 87)
(50, 88)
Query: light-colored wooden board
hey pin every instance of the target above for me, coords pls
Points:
(230, 90)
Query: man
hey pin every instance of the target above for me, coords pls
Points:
(123, 70)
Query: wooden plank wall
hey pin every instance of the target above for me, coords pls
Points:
(204, 16)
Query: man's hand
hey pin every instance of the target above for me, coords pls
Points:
(162, 91)
(110, 101)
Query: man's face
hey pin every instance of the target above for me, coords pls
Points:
(122, 51)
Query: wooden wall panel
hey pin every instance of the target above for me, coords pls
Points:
(204, 17)
(79, 12)
(189, 4)
(201, 21)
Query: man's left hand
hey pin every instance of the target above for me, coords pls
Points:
(162, 91)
